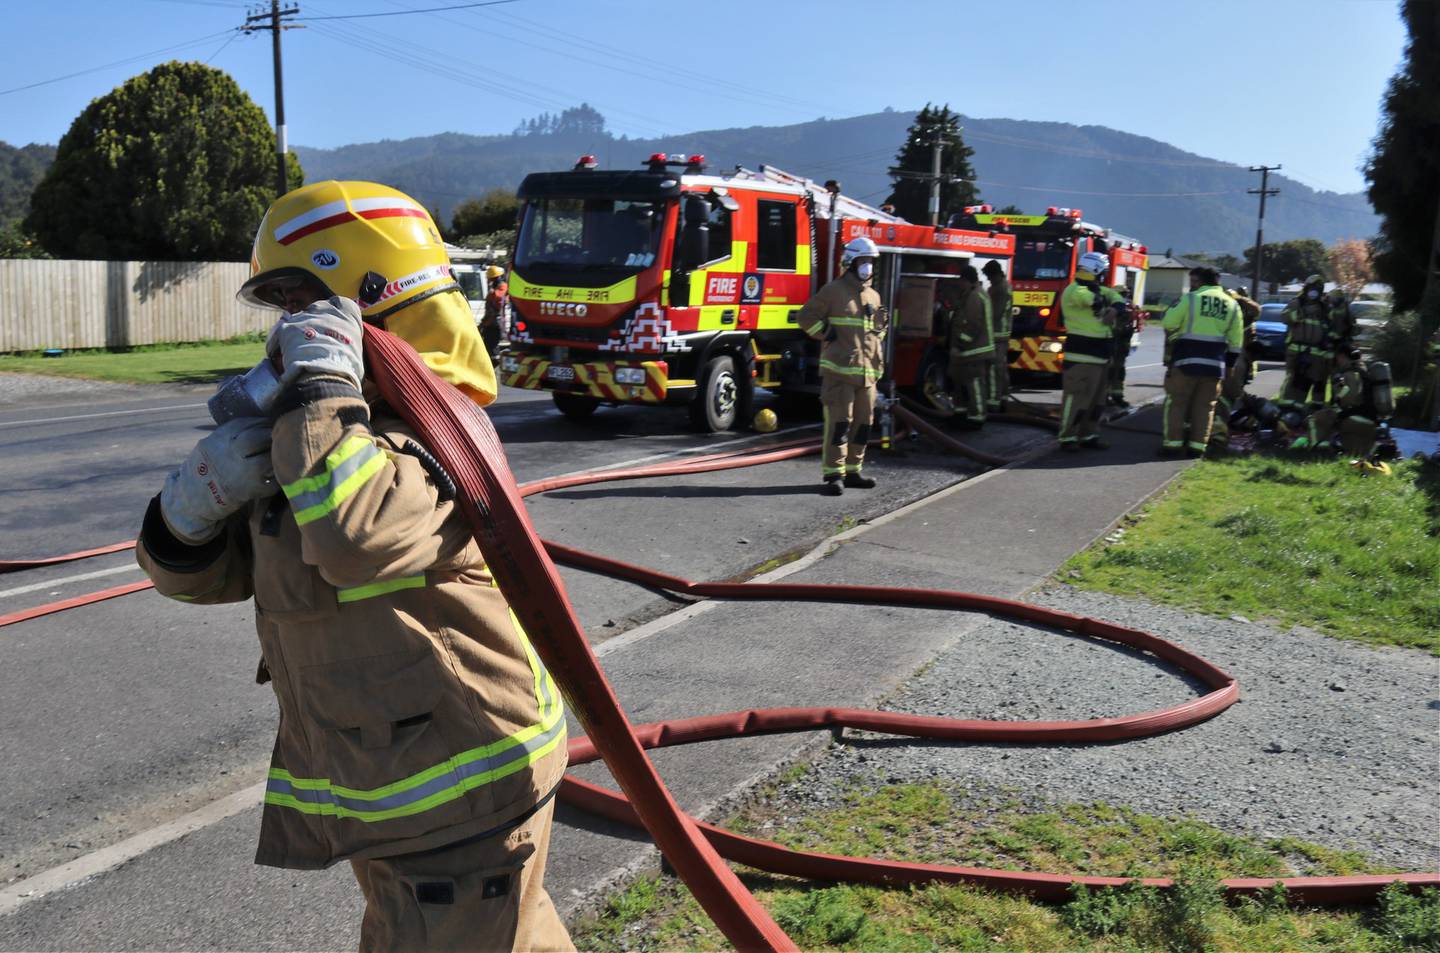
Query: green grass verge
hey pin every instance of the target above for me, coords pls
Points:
(1287, 541)
(928, 824)
(202, 362)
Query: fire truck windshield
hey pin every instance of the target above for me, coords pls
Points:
(1041, 258)
(574, 234)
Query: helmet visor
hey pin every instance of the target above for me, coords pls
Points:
(282, 286)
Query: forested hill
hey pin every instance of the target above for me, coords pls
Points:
(20, 170)
(1162, 195)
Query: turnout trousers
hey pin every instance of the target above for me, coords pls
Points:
(1082, 401)
(1000, 376)
(1231, 390)
(1189, 401)
(1115, 370)
(476, 894)
(1306, 374)
(849, 407)
(970, 378)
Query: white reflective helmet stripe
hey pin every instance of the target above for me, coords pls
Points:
(334, 213)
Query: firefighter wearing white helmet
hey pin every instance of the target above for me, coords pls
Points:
(420, 737)
(1090, 310)
(847, 317)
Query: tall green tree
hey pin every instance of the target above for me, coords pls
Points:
(914, 163)
(1294, 260)
(1404, 169)
(492, 212)
(177, 164)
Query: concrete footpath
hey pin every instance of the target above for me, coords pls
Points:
(1000, 533)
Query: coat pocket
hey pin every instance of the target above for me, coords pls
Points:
(386, 755)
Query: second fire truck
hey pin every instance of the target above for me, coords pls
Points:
(1046, 250)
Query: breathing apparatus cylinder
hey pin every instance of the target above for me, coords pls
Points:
(1382, 396)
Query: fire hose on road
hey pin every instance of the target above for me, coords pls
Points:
(464, 441)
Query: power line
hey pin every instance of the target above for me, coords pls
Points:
(131, 59)
(398, 13)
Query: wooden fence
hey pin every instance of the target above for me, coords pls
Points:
(74, 304)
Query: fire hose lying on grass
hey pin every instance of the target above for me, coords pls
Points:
(463, 439)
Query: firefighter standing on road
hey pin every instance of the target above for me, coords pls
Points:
(847, 317)
(1001, 315)
(1089, 309)
(495, 323)
(420, 736)
(1206, 331)
(1115, 374)
(972, 352)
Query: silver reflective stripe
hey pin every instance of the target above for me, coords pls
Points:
(336, 478)
(1203, 361)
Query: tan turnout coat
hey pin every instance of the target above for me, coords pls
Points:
(413, 710)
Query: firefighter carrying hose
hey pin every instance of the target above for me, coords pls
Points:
(847, 317)
(420, 737)
(1090, 310)
(1001, 316)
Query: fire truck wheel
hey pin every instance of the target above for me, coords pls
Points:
(717, 400)
(575, 406)
(934, 380)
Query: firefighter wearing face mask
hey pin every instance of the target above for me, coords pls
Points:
(1314, 333)
(847, 317)
(972, 351)
(1090, 310)
(420, 737)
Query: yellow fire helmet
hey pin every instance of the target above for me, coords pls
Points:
(766, 421)
(380, 247)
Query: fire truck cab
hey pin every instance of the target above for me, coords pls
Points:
(1046, 250)
(669, 284)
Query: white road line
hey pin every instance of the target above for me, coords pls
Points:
(64, 580)
(707, 448)
(111, 413)
(1136, 367)
(108, 858)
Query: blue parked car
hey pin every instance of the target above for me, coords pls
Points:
(1270, 332)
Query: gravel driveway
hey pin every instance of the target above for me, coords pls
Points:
(1333, 742)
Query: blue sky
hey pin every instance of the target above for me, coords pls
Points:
(1293, 82)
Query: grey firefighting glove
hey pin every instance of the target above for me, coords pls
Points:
(322, 339)
(227, 469)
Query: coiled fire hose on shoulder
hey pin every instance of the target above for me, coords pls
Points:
(465, 443)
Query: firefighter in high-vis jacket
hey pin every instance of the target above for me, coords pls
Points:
(1090, 310)
(968, 329)
(1315, 332)
(847, 317)
(420, 737)
(1205, 332)
(1001, 321)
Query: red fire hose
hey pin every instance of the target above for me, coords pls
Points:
(466, 444)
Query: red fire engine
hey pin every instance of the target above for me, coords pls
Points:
(668, 284)
(1046, 250)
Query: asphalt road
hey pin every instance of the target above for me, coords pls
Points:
(122, 716)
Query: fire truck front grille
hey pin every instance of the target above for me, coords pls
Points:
(553, 332)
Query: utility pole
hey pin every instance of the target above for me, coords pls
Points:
(935, 149)
(253, 23)
(1264, 171)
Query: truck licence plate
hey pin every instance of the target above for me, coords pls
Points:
(560, 372)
